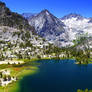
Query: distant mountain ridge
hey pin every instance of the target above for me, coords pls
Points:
(28, 15)
(72, 15)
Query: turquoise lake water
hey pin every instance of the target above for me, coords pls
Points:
(58, 76)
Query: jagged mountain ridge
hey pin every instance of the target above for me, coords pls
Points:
(73, 24)
(46, 22)
(49, 27)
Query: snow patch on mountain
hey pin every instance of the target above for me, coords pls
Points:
(77, 26)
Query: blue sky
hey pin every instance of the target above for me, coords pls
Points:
(58, 7)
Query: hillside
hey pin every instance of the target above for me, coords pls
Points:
(11, 19)
(17, 38)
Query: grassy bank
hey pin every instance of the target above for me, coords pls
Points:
(20, 71)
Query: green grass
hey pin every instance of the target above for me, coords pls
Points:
(86, 90)
(20, 71)
(15, 87)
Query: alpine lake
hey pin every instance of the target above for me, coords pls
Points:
(58, 76)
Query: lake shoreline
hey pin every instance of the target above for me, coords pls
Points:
(33, 71)
(15, 86)
(20, 72)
